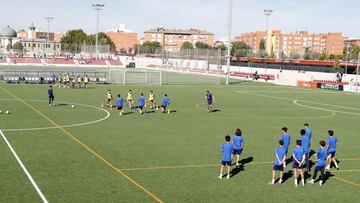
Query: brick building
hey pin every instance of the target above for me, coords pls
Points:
(124, 41)
(172, 39)
(297, 42)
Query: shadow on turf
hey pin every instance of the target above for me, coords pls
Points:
(127, 113)
(63, 104)
(241, 167)
(215, 110)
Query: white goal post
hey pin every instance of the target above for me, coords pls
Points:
(135, 76)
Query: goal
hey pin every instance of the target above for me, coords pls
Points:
(135, 76)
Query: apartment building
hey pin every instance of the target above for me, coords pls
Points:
(172, 39)
(278, 42)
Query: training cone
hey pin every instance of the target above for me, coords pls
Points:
(102, 105)
(168, 112)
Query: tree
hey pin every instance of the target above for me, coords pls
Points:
(306, 53)
(18, 47)
(147, 47)
(240, 49)
(202, 45)
(336, 65)
(74, 39)
(262, 44)
(187, 45)
(294, 55)
(323, 56)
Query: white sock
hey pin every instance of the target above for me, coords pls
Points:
(302, 182)
(273, 181)
(336, 165)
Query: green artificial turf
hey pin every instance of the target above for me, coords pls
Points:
(174, 157)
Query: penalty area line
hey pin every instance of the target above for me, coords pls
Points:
(24, 168)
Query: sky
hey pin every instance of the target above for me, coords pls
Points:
(211, 15)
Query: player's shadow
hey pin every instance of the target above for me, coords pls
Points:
(287, 175)
(173, 111)
(289, 160)
(241, 167)
(327, 175)
(215, 110)
(332, 165)
(128, 113)
(61, 104)
(150, 111)
(312, 152)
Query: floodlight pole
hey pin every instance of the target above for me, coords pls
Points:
(98, 7)
(229, 41)
(347, 58)
(357, 73)
(48, 19)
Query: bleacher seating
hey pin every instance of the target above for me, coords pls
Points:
(3, 60)
(59, 61)
(25, 60)
(115, 62)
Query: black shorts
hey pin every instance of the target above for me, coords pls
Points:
(332, 154)
(164, 107)
(226, 163)
(319, 168)
(237, 151)
(152, 101)
(119, 108)
(296, 165)
(278, 168)
(141, 107)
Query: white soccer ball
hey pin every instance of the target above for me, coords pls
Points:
(72, 106)
(7, 112)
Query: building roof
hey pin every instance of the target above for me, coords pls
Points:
(8, 32)
(179, 31)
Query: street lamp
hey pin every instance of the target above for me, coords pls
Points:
(229, 41)
(98, 7)
(347, 55)
(48, 19)
(267, 13)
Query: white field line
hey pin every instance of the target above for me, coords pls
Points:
(64, 126)
(295, 101)
(24, 169)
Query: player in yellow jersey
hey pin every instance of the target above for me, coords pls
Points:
(109, 98)
(79, 81)
(151, 99)
(86, 81)
(130, 99)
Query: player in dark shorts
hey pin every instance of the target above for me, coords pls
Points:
(51, 96)
(209, 97)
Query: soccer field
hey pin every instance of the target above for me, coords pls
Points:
(91, 154)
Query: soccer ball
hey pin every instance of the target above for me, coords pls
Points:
(72, 106)
(7, 112)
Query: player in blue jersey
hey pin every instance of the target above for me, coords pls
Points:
(51, 96)
(331, 146)
(286, 138)
(226, 150)
(299, 159)
(305, 144)
(237, 145)
(308, 131)
(210, 99)
(141, 103)
(320, 158)
(280, 158)
(119, 103)
(164, 104)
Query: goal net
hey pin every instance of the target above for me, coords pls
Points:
(135, 76)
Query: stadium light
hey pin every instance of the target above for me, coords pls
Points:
(98, 7)
(357, 73)
(229, 41)
(48, 19)
(347, 55)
